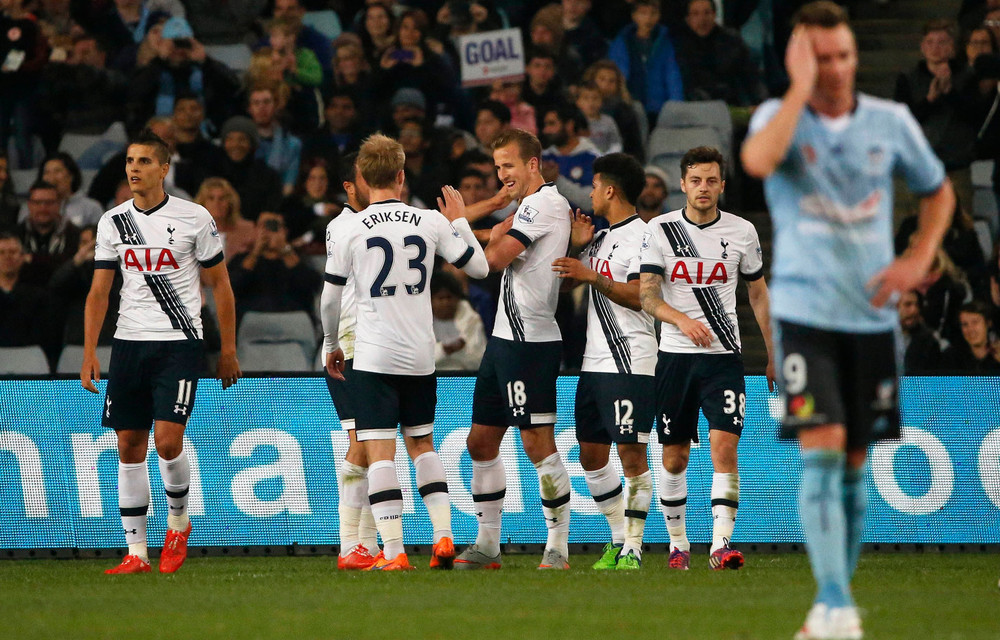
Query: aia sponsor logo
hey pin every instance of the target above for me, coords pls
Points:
(699, 273)
(149, 260)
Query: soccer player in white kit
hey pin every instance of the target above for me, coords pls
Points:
(691, 263)
(388, 249)
(358, 535)
(163, 246)
(614, 398)
(516, 384)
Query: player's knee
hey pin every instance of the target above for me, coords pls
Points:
(634, 461)
(538, 444)
(419, 445)
(593, 457)
(675, 461)
(482, 445)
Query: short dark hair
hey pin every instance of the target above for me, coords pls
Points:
(7, 235)
(71, 166)
(566, 112)
(471, 173)
(498, 109)
(703, 155)
(623, 172)
(540, 52)
(977, 306)
(474, 156)
(147, 138)
(340, 92)
(348, 168)
(527, 143)
(39, 185)
(822, 13)
(942, 24)
(645, 3)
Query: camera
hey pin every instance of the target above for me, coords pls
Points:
(272, 225)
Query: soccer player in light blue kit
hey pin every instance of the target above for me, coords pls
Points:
(828, 155)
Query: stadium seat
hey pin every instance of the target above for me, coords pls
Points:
(75, 144)
(984, 236)
(234, 56)
(288, 327)
(326, 22)
(640, 115)
(86, 177)
(71, 359)
(23, 361)
(279, 356)
(668, 146)
(984, 207)
(708, 113)
(982, 173)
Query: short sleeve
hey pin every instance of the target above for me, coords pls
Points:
(763, 114)
(633, 258)
(920, 166)
(338, 255)
(208, 244)
(530, 223)
(105, 255)
(752, 261)
(651, 253)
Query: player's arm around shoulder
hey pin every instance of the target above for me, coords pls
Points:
(458, 243)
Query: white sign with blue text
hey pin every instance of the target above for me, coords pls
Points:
(491, 55)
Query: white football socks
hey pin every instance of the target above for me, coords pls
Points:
(606, 488)
(387, 506)
(554, 487)
(176, 475)
(133, 503)
(673, 499)
(638, 494)
(432, 482)
(725, 501)
(353, 481)
(489, 486)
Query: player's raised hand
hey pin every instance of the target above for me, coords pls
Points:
(574, 269)
(500, 229)
(695, 330)
(335, 364)
(903, 274)
(90, 372)
(228, 370)
(581, 230)
(800, 60)
(453, 205)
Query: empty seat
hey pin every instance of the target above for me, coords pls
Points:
(234, 56)
(71, 359)
(21, 179)
(668, 146)
(706, 113)
(23, 361)
(326, 22)
(984, 207)
(75, 144)
(982, 173)
(291, 326)
(278, 356)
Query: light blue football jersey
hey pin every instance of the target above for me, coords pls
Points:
(831, 206)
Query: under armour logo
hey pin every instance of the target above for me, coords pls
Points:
(683, 248)
(553, 520)
(738, 421)
(625, 428)
(479, 514)
(171, 230)
(724, 245)
(131, 238)
(132, 531)
(181, 409)
(107, 407)
(518, 411)
(669, 518)
(666, 423)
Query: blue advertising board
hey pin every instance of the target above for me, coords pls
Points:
(264, 456)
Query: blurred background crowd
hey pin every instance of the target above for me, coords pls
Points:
(263, 103)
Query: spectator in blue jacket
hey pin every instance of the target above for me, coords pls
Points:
(645, 54)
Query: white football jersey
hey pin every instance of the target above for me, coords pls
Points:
(619, 340)
(529, 290)
(699, 265)
(389, 251)
(348, 304)
(160, 252)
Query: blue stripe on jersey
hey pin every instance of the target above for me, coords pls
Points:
(464, 260)
(171, 305)
(510, 307)
(211, 262)
(520, 237)
(617, 342)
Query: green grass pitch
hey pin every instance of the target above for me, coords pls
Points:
(911, 596)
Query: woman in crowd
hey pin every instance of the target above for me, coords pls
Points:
(222, 201)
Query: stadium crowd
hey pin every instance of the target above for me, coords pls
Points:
(265, 143)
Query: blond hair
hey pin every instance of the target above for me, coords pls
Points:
(590, 75)
(233, 215)
(380, 160)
